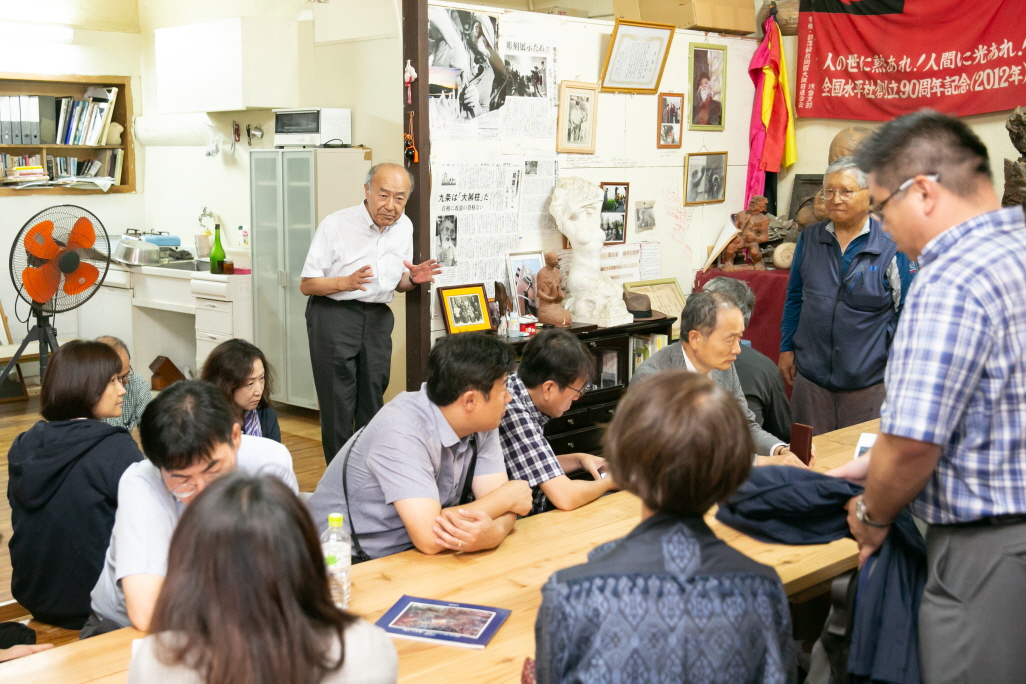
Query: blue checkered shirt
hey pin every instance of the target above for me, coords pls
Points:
(526, 451)
(957, 370)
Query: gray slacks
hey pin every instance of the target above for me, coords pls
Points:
(972, 621)
(351, 355)
(827, 411)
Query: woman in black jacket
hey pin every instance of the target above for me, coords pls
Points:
(241, 370)
(63, 489)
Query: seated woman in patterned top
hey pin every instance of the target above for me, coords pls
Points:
(670, 601)
(240, 370)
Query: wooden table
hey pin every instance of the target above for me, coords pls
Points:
(508, 577)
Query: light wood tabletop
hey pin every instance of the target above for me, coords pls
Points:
(509, 577)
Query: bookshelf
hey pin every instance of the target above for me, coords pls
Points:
(75, 87)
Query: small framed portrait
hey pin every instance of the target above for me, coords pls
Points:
(578, 106)
(445, 239)
(707, 72)
(523, 273)
(465, 308)
(705, 177)
(636, 57)
(614, 212)
(671, 114)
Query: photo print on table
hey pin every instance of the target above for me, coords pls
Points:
(445, 239)
(614, 212)
(671, 114)
(705, 177)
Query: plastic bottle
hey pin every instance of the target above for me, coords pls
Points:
(338, 549)
(217, 252)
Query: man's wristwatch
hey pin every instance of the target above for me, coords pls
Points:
(863, 515)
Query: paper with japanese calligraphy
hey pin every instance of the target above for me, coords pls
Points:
(532, 91)
(475, 208)
(878, 59)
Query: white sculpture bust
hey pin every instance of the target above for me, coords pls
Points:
(593, 298)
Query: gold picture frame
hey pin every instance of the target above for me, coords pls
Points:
(577, 118)
(635, 43)
(665, 295)
(465, 308)
(709, 62)
(705, 178)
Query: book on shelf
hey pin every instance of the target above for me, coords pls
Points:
(5, 120)
(46, 106)
(443, 622)
(15, 119)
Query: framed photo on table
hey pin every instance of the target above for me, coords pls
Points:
(665, 295)
(614, 212)
(707, 74)
(523, 270)
(578, 107)
(670, 116)
(705, 177)
(465, 308)
(636, 57)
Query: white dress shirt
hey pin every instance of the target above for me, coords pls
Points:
(348, 240)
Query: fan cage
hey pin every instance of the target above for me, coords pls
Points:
(63, 217)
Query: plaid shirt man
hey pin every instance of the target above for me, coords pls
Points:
(957, 370)
(528, 454)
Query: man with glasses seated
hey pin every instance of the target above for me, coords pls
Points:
(554, 369)
(847, 285)
(190, 437)
(137, 390)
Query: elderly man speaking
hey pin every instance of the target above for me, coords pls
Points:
(357, 260)
(711, 326)
(847, 284)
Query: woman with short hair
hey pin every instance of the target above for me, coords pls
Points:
(241, 371)
(670, 601)
(246, 599)
(63, 488)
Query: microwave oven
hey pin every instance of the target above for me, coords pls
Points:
(312, 127)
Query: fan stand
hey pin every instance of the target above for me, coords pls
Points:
(42, 332)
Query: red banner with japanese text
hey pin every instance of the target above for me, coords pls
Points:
(874, 60)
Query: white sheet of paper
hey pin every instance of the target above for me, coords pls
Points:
(727, 234)
(866, 442)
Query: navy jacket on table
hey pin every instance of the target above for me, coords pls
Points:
(794, 506)
(670, 602)
(63, 492)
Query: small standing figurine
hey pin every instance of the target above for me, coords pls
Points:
(754, 226)
(550, 294)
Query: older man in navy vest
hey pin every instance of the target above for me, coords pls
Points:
(848, 282)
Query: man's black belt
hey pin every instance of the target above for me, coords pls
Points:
(993, 521)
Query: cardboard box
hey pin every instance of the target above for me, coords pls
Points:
(719, 16)
(559, 7)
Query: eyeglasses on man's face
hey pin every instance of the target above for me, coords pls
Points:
(843, 194)
(876, 210)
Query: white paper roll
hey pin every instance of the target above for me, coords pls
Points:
(173, 130)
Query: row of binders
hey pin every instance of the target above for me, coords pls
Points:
(49, 120)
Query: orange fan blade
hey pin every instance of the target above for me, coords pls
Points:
(83, 235)
(39, 241)
(41, 283)
(79, 280)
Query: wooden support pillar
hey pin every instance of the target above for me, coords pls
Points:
(418, 301)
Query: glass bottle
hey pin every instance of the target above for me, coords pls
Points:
(217, 252)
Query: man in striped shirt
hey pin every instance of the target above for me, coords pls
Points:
(358, 259)
(953, 427)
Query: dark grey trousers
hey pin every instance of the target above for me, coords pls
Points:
(351, 355)
(972, 621)
(827, 411)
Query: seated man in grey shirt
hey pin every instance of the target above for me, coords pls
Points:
(710, 340)
(190, 437)
(407, 469)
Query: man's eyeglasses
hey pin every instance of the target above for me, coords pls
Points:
(187, 489)
(843, 195)
(876, 211)
(580, 392)
(123, 379)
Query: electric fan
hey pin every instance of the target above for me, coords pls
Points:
(58, 261)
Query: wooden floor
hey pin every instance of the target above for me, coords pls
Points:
(300, 432)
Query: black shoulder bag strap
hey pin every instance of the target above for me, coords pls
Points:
(359, 555)
(468, 493)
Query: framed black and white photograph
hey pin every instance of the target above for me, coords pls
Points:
(465, 308)
(578, 105)
(705, 177)
(614, 212)
(523, 270)
(466, 78)
(636, 57)
(445, 239)
(644, 215)
(671, 114)
(706, 73)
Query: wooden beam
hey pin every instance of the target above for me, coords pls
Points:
(418, 301)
